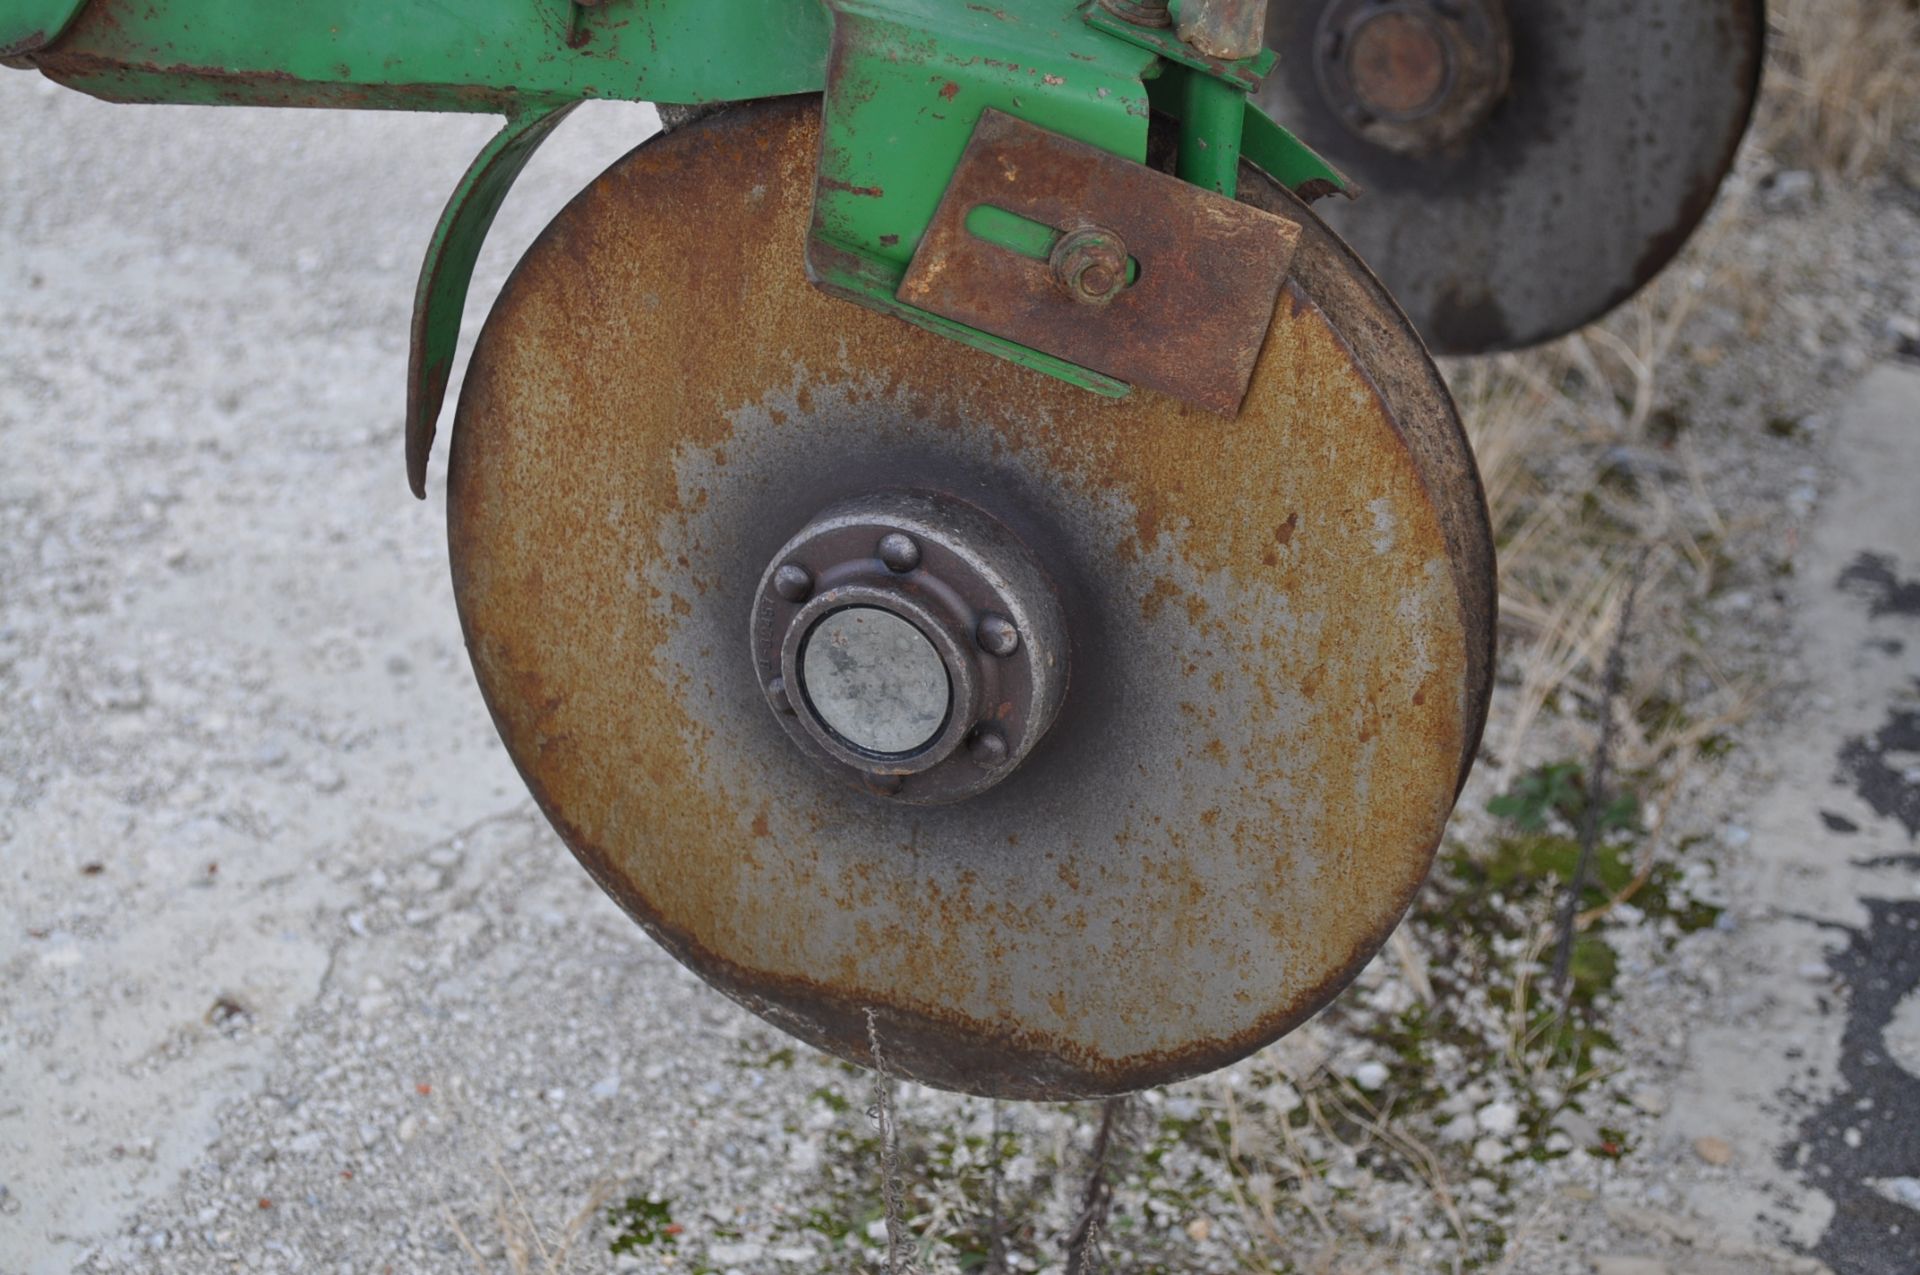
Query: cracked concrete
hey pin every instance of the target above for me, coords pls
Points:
(1831, 962)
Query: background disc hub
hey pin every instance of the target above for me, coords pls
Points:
(1574, 147)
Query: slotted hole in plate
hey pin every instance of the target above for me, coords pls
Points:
(1023, 235)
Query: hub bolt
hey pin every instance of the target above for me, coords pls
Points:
(899, 552)
(910, 644)
(793, 583)
(988, 747)
(1417, 77)
(997, 635)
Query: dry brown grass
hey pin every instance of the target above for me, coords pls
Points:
(1579, 492)
(514, 1241)
(510, 1234)
(1841, 81)
(1558, 431)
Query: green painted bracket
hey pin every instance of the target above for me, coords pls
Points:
(439, 55)
(1245, 73)
(1280, 155)
(907, 81)
(1266, 145)
(441, 296)
(26, 25)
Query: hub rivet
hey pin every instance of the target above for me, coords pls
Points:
(885, 785)
(899, 552)
(997, 635)
(778, 697)
(988, 747)
(793, 582)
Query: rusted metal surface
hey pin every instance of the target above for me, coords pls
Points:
(441, 294)
(1581, 182)
(1191, 325)
(1226, 29)
(1280, 630)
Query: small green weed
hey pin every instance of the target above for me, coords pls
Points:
(641, 1222)
(1560, 789)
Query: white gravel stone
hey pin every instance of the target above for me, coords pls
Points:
(1498, 1119)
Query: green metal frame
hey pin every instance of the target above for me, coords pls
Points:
(472, 55)
(26, 25)
(904, 82)
(907, 82)
(441, 296)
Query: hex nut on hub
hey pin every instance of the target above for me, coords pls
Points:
(1414, 77)
(911, 645)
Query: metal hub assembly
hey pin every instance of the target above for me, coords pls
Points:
(1413, 76)
(685, 501)
(1524, 167)
(909, 643)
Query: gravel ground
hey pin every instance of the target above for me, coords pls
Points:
(293, 978)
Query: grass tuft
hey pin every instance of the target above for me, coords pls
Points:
(1840, 82)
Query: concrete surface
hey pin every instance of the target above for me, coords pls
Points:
(1811, 1072)
(229, 663)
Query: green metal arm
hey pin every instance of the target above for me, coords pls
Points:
(905, 81)
(448, 270)
(472, 55)
(26, 25)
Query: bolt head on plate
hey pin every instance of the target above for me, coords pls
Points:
(1091, 264)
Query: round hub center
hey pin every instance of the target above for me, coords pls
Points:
(1413, 76)
(875, 680)
(908, 642)
(1398, 62)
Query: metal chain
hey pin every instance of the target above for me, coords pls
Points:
(1096, 1197)
(996, 1238)
(1597, 785)
(881, 1112)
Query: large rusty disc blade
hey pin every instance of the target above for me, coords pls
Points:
(1280, 627)
(1506, 204)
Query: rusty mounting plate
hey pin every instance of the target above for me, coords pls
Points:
(1192, 322)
